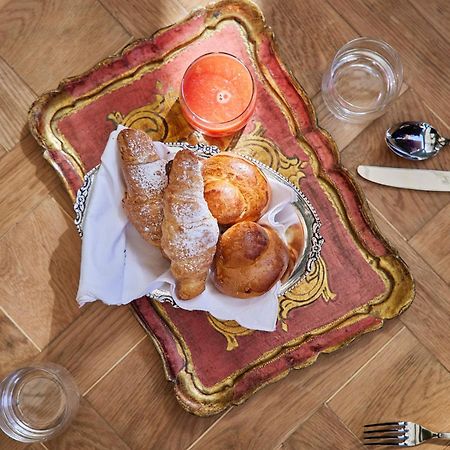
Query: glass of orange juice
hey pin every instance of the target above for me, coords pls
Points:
(218, 94)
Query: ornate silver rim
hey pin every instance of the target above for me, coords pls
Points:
(81, 200)
(306, 213)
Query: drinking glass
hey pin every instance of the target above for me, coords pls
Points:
(217, 94)
(37, 402)
(364, 78)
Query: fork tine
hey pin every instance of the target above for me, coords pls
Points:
(397, 432)
(396, 438)
(384, 424)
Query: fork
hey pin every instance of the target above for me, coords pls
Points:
(405, 434)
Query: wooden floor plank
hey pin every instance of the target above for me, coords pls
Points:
(95, 342)
(62, 198)
(437, 12)
(293, 399)
(429, 315)
(15, 99)
(322, 431)
(190, 5)
(409, 210)
(403, 382)
(39, 269)
(341, 131)
(26, 180)
(143, 18)
(89, 431)
(47, 41)
(137, 400)
(15, 347)
(431, 242)
(410, 33)
(293, 23)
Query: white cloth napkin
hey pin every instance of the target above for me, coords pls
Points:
(118, 266)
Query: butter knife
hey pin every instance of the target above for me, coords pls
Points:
(420, 179)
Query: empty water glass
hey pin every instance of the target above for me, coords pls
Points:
(364, 78)
(37, 402)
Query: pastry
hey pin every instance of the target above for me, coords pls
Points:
(235, 189)
(250, 259)
(295, 240)
(189, 231)
(145, 179)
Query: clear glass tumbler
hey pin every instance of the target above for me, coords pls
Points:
(37, 402)
(365, 77)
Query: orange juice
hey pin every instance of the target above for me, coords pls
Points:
(217, 94)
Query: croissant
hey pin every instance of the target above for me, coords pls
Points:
(235, 189)
(189, 231)
(145, 178)
(250, 259)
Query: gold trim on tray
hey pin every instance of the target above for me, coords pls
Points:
(155, 118)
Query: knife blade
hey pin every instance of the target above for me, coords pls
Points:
(420, 179)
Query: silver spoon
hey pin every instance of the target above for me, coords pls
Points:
(415, 140)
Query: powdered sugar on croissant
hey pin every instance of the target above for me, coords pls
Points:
(145, 178)
(189, 231)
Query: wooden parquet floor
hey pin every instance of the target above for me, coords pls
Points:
(400, 371)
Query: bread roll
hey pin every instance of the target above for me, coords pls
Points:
(235, 189)
(250, 259)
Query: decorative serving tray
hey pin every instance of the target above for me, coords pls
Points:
(358, 281)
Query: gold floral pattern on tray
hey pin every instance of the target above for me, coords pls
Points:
(161, 119)
(311, 288)
(256, 145)
(230, 329)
